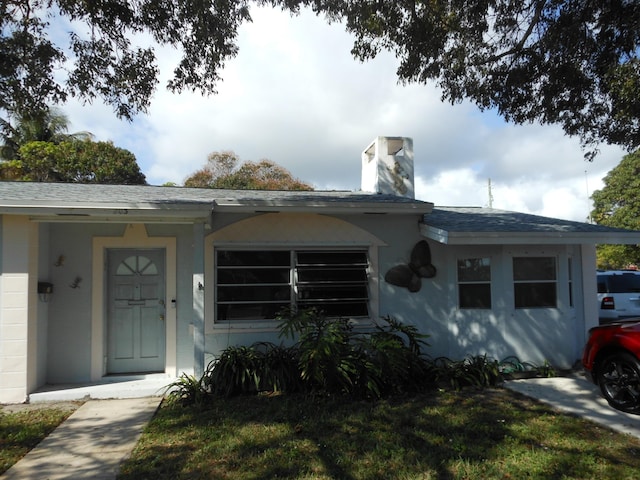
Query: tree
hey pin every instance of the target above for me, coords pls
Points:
(222, 171)
(48, 125)
(572, 63)
(100, 55)
(617, 204)
(74, 162)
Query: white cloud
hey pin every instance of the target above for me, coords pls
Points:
(296, 96)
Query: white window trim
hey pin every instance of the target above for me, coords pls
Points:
(490, 281)
(556, 281)
(257, 326)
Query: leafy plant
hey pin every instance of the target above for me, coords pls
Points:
(238, 370)
(476, 371)
(326, 357)
(336, 358)
(188, 390)
(546, 370)
(279, 369)
(394, 356)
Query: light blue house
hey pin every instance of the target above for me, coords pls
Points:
(103, 280)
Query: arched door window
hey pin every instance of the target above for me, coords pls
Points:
(137, 265)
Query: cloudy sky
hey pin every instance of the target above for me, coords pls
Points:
(296, 96)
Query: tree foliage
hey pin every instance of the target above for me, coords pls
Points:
(617, 204)
(223, 170)
(73, 162)
(566, 62)
(573, 63)
(48, 125)
(104, 53)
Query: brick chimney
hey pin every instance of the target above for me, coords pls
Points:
(387, 167)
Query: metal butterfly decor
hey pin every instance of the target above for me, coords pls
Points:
(409, 276)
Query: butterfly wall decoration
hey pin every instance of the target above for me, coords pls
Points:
(410, 275)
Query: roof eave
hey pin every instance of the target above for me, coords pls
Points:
(324, 207)
(118, 213)
(522, 238)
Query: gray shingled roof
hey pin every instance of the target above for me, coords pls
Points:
(475, 225)
(452, 225)
(22, 197)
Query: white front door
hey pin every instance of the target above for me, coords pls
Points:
(136, 311)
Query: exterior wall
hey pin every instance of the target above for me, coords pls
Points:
(532, 335)
(70, 325)
(536, 335)
(60, 341)
(279, 230)
(183, 306)
(77, 326)
(44, 275)
(589, 289)
(18, 308)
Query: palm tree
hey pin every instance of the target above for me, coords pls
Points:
(48, 125)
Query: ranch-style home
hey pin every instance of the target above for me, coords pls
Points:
(99, 281)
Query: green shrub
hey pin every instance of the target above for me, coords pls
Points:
(188, 390)
(326, 358)
(474, 371)
(279, 369)
(238, 370)
(332, 356)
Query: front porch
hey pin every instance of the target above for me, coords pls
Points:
(110, 387)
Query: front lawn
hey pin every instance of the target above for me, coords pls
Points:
(471, 434)
(24, 428)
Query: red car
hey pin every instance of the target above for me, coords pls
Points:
(611, 359)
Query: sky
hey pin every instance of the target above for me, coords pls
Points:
(295, 95)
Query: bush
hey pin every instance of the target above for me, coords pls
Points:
(332, 356)
(335, 358)
(474, 371)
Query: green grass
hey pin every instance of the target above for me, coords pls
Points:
(489, 434)
(22, 430)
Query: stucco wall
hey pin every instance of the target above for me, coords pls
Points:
(535, 335)
(69, 346)
(44, 275)
(70, 309)
(184, 293)
(532, 335)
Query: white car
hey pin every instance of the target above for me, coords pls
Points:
(618, 294)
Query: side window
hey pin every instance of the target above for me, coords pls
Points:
(474, 283)
(535, 282)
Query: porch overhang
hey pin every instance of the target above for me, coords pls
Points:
(112, 212)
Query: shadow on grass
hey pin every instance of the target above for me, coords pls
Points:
(469, 434)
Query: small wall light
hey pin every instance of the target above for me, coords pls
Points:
(45, 289)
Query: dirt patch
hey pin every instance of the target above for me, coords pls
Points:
(67, 406)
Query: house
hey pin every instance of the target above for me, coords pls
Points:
(114, 280)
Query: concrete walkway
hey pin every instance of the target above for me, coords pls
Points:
(577, 396)
(90, 444)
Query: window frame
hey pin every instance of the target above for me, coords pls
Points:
(294, 282)
(474, 282)
(535, 282)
